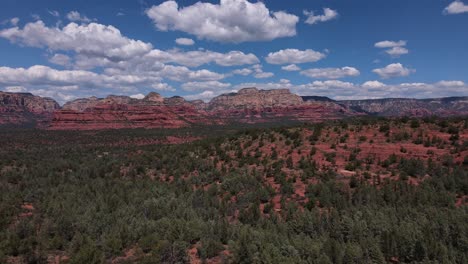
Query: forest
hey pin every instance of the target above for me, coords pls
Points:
(362, 190)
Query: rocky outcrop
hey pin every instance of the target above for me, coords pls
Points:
(249, 105)
(25, 108)
(254, 98)
(116, 112)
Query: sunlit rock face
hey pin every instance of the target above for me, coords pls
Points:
(248, 105)
(254, 98)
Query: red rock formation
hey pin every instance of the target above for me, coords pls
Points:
(249, 105)
(254, 98)
(116, 112)
(25, 108)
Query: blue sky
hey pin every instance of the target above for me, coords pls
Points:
(341, 49)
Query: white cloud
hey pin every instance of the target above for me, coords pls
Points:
(291, 67)
(331, 73)
(263, 75)
(393, 48)
(66, 80)
(390, 44)
(244, 71)
(185, 41)
(451, 83)
(397, 51)
(205, 96)
(289, 56)
(98, 45)
(339, 90)
(456, 7)
(93, 40)
(393, 70)
(229, 21)
(210, 85)
(328, 14)
(198, 58)
(75, 16)
(60, 59)
(137, 96)
(163, 87)
(373, 84)
(54, 13)
(15, 89)
(259, 73)
(183, 74)
(14, 21)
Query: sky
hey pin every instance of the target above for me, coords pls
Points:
(356, 49)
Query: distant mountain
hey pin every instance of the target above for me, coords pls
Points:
(248, 105)
(317, 99)
(410, 107)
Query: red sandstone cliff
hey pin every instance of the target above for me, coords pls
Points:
(249, 105)
(115, 112)
(25, 108)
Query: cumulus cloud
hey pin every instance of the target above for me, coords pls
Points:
(290, 56)
(451, 84)
(210, 85)
(340, 90)
(259, 73)
(291, 67)
(75, 16)
(137, 96)
(91, 39)
(229, 21)
(397, 51)
(456, 7)
(244, 71)
(185, 41)
(42, 75)
(184, 74)
(63, 84)
(15, 89)
(393, 70)
(14, 21)
(263, 75)
(331, 73)
(328, 14)
(163, 87)
(60, 59)
(390, 44)
(373, 84)
(97, 45)
(393, 48)
(198, 58)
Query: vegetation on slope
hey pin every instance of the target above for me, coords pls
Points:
(358, 191)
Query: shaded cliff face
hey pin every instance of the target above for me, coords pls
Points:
(25, 108)
(410, 107)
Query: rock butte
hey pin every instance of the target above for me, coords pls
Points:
(25, 108)
(248, 105)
